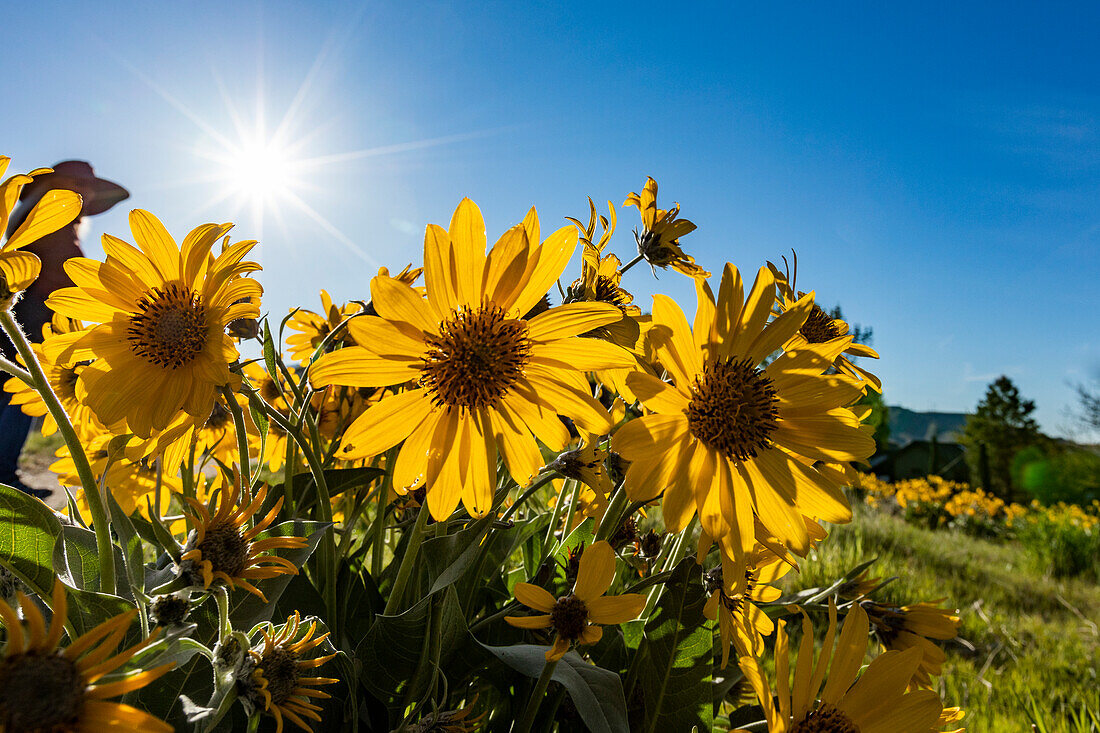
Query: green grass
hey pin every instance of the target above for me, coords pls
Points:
(1033, 640)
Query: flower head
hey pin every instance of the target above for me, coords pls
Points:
(47, 688)
(740, 620)
(902, 627)
(223, 547)
(162, 309)
(659, 240)
(876, 701)
(274, 676)
(478, 377)
(732, 437)
(574, 617)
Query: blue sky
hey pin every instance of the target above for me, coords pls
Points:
(936, 166)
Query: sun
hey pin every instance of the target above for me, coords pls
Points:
(260, 169)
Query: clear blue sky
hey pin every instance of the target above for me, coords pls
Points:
(937, 165)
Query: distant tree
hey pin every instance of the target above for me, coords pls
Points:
(1002, 423)
(1089, 409)
(860, 334)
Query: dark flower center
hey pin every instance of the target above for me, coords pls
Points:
(169, 329)
(826, 719)
(733, 409)
(819, 327)
(569, 617)
(475, 359)
(280, 668)
(169, 610)
(225, 549)
(40, 692)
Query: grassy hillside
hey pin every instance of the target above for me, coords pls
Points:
(1035, 642)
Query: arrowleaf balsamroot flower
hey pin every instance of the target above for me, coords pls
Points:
(480, 377)
(903, 627)
(730, 437)
(659, 241)
(876, 702)
(273, 678)
(162, 309)
(46, 688)
(54, 210)
(573, 617)
(222, 547)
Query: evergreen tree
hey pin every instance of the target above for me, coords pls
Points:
(1000, 427)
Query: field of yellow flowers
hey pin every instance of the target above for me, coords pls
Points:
(487, 496)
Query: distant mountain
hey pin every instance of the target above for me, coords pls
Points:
(907, 425)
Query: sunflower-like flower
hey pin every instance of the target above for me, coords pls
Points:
(162, 309)
(273, 678)
(877, 702)
(740, 620)
(222, 547)
(46, 688)
(54, 210)
(63, 379)
(482, 378)
(310, 328)
(659, 241)
(730, 438)
(574, 617)
(133, 480)
(821, 327)
(450, 721)
(902, 627)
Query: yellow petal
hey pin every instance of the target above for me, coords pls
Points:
(541, 621)
(54, 210)
(534, 597)
(613, 610)
(596, 571)
(571, 319)
(19, 269)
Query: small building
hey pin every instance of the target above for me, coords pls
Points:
(919, 458)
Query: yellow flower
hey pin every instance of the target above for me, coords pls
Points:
(875, 703)
(573, 617)
(46, 688)
(132, 481)
(54, 210)
(482, 377)
(740, 620)
(222, 547)
(903, 627)
(161, 345)
(730, 437)
(659, 242)
(311, 328)
(820, 328)
(274, 678)
(64, 379)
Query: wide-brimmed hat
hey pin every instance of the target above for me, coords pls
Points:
(77, 175)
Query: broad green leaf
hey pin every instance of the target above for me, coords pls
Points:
(597, 693)
(76, 560)
(133, 550)
(338, 481)
(28, 533)
(676, 674)
(393, 649)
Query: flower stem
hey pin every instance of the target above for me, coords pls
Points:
(537, 695)
(242, 435)
(41, 383)
(378, 527)
(407, 562)
(630, 264)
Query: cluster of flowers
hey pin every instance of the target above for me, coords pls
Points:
(739, 428)
(937, 502)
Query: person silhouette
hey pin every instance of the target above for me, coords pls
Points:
(30, 311)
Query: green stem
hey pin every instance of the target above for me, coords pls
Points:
(407, 562)
(378, 528)
(538, 484)
(537, 695)
(242, 435)
(15, 370)
(613, 515)
(95, 501)
(630, 264)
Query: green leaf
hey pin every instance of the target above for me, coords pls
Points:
(392, 650)
(676, 673)
(269, 350)
(597, 693)
(76, 560)
(28, 533)
(262, 423)
(133, 551)
(447, 558)
(88, 609)
(338, 481)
